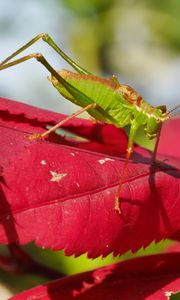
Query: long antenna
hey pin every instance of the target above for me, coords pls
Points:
(176, 107)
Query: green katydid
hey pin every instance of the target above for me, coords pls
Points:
(106, 100)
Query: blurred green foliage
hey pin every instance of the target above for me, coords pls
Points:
(165, 21)
(88, 8)
(94, 31)
(68, 265)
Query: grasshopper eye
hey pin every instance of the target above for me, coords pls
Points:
(163, 109)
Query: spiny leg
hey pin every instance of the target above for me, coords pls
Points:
(46, 38)
(133, 129)
(61, 123)
(156, 147)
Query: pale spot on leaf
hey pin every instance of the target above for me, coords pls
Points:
(168, 294)
(102, 161)
(73, 154)
(56, 177)
(43, 162)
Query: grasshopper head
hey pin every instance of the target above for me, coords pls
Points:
(155, 120)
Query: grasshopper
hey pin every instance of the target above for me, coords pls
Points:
(106, 100)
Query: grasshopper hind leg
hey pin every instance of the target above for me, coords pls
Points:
(46, 38)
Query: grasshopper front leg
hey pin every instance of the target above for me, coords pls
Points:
(133, 129)
(61, 123)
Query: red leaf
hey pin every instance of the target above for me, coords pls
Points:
(169, 145)
(145, 278)
(63, 197)
(169, 140)
(102, 137)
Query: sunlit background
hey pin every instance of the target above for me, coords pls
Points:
(139, 41)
